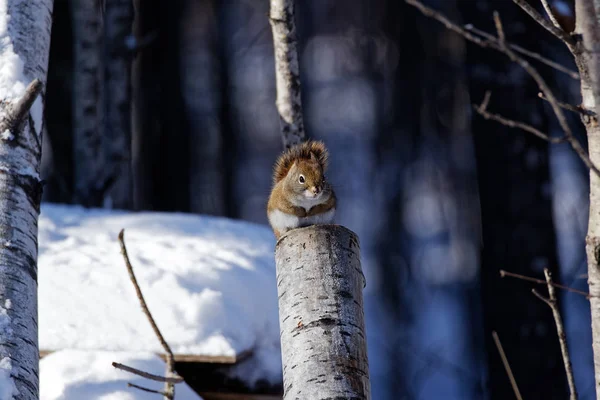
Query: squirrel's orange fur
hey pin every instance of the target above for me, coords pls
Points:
(298, 152)
(301, 196)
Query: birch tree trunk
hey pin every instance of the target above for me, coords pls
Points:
(287, 71)
(25, 35)
(88, 106)
(118, 25)
(588, 63)
(321, 315)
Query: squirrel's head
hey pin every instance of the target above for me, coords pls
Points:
(306, 178)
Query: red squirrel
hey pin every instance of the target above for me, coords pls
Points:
(301, 196)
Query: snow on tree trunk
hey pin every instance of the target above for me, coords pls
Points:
(287, 71)
(321, 315)
(25, 36)
(88, 154)
(118, 22)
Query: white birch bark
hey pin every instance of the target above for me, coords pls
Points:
(321, 314)
(25, 37)
(118, 25)
(588, 25)
(588, 63)
(287, 71)
(88, 155)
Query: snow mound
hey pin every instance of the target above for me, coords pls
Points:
(209, 283)
(88, 375)
(7, 383)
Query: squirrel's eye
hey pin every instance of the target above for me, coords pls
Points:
(301, 179)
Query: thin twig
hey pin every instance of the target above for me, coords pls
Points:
(542, 298)
(537, 17)
(504, 274)
(576, 109)
(145, 389)
(170, 359)
(528, 53)
(502, 46)
(551, 99)
(560, 330)
(499, 29)
(550, 13)
(511, 377)
(147, 375)
(469, 32)
(431, 13)
(482, 110)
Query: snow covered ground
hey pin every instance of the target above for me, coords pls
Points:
(209, 282)
(84, 375)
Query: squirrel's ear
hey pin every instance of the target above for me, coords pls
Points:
(313, 157)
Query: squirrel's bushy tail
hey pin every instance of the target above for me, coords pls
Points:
(299, 152)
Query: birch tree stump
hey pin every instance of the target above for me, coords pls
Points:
(321, 316)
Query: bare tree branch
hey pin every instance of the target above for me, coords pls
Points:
(542, 298)
(528, 53)
(501, 45)
(550, 13)
(504, 274)
(169, 387)
(19, 111)
(513, 382)
(482, 110)
(560, 330)
(147, 375)
(431, 13)
(576, 109)
(470, 33)
(145, 389)
(551, 98)
(499, 30)
(537, 17)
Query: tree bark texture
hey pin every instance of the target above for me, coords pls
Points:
(593, 237)
(25, 35)
(588, 63)
(321, 315)
(287, 71)
(88, 106)
(588, 25)
(117, 80)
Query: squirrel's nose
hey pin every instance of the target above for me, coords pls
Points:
(316, 189)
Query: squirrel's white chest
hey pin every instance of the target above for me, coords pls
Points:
(284, 222)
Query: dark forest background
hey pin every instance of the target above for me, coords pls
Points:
(440, 198)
